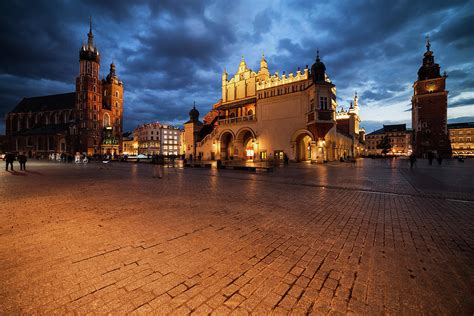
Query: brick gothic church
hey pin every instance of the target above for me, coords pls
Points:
(430, 109)
(88, 120)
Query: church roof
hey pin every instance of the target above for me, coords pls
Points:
(64, 101)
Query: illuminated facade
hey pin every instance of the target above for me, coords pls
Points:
(88, 120)
(430, 109)
(462, 139)
(399, 136)
(158, 139)
(130, 144)
(263, 116)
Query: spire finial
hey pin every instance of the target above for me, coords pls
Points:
(428, 44)
(317, 55)
(194, 104)
(90, 23)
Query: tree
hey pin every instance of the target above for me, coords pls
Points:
(385, 145)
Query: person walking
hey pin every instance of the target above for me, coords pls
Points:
(158, 168)
(412, 160)
(9, 159)
(22, 160)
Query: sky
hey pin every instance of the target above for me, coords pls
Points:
(171, 53)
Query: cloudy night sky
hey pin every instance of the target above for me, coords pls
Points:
(169, 53)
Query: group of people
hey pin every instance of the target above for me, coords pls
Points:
(10, 159)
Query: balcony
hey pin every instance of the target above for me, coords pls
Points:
(319, 115)
(238, 119)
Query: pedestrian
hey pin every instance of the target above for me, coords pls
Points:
(430, 157)
(412, 160)
(158, 168)
(9, 159)
(440, 159)
(22, 160)
(285, 159)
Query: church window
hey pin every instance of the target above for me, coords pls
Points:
(116, 94)
(88, 67)
(95, 89)
(116, 105)
(95, 117)
(105, 93)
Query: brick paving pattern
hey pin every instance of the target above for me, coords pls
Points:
(372, 238)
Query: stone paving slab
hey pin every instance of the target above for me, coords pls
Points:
(302, 240)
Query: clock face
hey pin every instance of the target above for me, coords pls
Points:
(430, 86)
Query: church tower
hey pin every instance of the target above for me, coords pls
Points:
(89, 97)
(430, 109)
(112, 112)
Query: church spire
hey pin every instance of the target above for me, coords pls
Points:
(90, 36)
(428, 44)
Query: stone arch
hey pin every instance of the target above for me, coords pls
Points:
(226, 144)
(245, 143)
(303, 145)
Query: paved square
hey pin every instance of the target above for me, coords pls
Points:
(367, 239)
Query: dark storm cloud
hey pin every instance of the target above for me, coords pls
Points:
(170, 53)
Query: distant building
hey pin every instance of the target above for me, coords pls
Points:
(462, 138)
(158, 139)
(399, 136)
(129, 144)
(429, 109)
(264, 116)
(88, 120)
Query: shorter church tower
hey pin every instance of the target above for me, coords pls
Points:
(430, 109)
(112, 113)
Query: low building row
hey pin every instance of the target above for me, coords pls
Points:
(153, 139)
(400, 138)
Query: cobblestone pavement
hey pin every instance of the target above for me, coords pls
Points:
(371, 238)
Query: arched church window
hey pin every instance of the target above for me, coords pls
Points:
(106, 120)
(116, 94)
(95, 89)
(88, 67)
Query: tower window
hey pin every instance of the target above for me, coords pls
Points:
(116, 94)
(105, 93)
(323, 103)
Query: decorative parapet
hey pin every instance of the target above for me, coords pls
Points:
(276, 80)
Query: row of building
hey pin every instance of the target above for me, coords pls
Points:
(259, 116)
(461, 136)
(153, 139)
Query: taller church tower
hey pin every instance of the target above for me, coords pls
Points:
(89, 97)
(430, 109)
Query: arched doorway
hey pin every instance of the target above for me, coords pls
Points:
(303, 146)
(246, 141)
(227, 145)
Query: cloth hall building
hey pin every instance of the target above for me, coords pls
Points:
(263, 116)
(88, 120)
